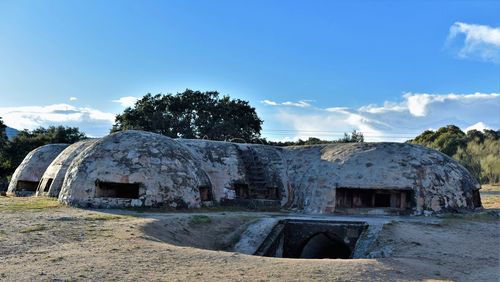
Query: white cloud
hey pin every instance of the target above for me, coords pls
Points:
(388, 107)
(418, 103)
(92, 121)
(127, 101)
(73, 98)
(300, 104)
(477, 126)
(481, 41)
(394, 121)
(269, 102)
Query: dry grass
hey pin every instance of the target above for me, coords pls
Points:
(490, 201)
(17, 204)
(490, 188)
(490, 196)
(199, 219)
(104, 217)
(38, 227)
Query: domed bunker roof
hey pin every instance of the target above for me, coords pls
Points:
(27, 175)
(135, 168)
(353, 176)
(52, 180)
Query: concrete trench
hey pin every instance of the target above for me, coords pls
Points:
(302, 238)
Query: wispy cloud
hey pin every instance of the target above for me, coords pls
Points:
(392, 121)
(73, 98)
(478, 126)
(127, 101)
(481, 41)
(300, 104)
(269, 102)
(92, 121)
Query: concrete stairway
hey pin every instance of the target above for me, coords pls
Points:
(257, 179)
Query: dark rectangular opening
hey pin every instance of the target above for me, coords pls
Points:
(347, 198)
(382, 200)
(242, 191)
(273, 193)
(205, 193)
(476, 198)
(117, 190)
(47, 185)
(23, 185)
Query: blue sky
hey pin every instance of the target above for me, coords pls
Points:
(311, 68)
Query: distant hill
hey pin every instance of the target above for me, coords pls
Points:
(11, 132)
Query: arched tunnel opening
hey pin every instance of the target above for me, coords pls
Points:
(313, 239)
(321, 246)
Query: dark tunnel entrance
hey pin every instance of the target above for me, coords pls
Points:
(314, 239)
(321, 246)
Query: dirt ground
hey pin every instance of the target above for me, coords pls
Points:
(43, 241)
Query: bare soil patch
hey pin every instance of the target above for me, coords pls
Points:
(61, 243)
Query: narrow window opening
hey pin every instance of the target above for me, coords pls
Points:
(242, 191)
(23, 185)
(117, 190)
(353, 198)
(47, 185)
(382, 200)
(205, 193)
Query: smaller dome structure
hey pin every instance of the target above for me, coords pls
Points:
(25, 179)
(135, 169)
(52, 180)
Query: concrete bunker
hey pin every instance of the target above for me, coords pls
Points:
(378, 178)
(135, 169)
(27, 176)
(314, 239)
(53, 177)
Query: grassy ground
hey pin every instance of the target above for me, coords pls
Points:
(17, 204)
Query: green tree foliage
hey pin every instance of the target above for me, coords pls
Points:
(478, 151)
(3, 136)
(192, 114)
(13, 152)
(446, 139)
(4, 163)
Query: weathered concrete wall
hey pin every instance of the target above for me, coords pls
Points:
(439, 183)
(33, 166)
(167, 172)
(58, 167)
(221, 162)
